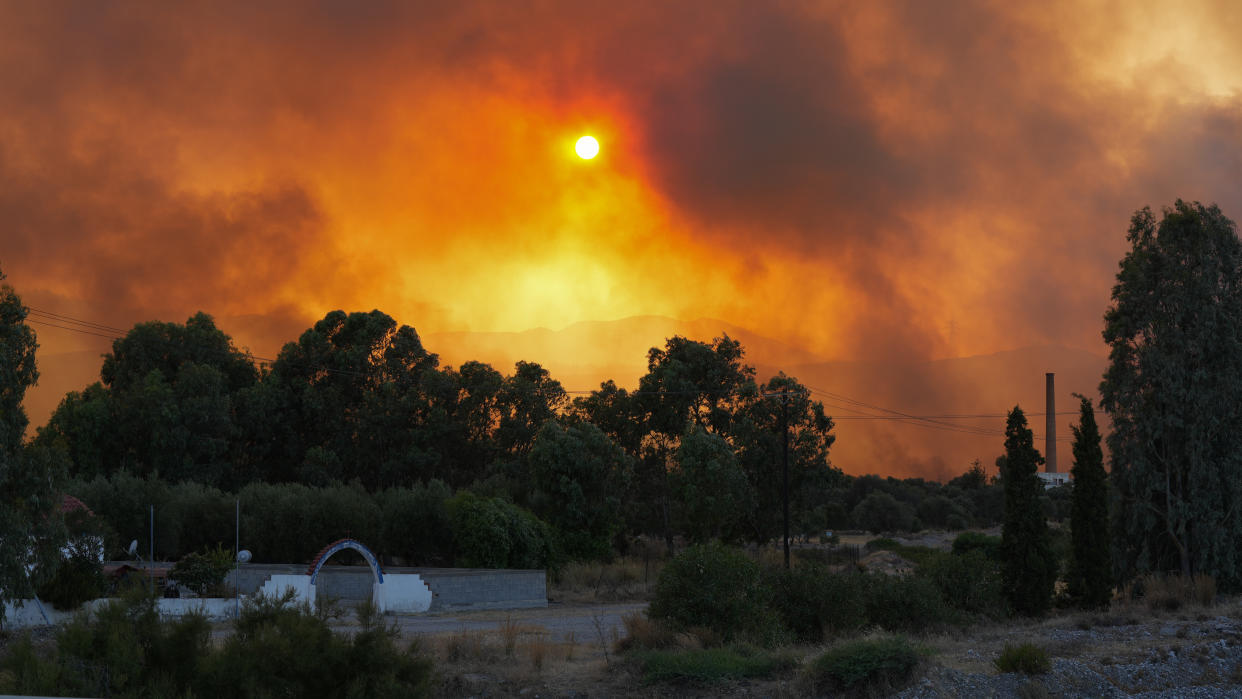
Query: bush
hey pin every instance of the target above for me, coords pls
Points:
(278, 650)
(203, 572)
(905, 603)
(416, 524)
(281, 650)
(718, 587)
(712, 665)
(881, 512)
(492, 533)
(969, 582)
(814, 603)
(870, 667)
(1025, 658)
(977, 541)
(78, 579)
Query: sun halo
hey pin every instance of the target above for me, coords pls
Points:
(587, 147)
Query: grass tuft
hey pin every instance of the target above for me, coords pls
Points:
(1025, 658)
(706, 666)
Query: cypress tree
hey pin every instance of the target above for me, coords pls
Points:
(1090, 575)
(1028, 568)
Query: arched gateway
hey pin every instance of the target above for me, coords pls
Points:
(401, 592)
(340, 545)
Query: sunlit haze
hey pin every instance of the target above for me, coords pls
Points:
(863, 182)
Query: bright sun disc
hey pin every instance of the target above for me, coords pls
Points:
(587, 147)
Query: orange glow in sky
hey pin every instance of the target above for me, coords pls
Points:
(886, 181)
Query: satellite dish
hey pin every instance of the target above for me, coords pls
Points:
(243, 556)
(133, 547)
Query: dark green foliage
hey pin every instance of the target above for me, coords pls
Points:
(203, 572)
(815, 604)
(17, 367)
(1171, 391)
(977, 541)
(290, 523)
(577, 478)
(1025, 658)
(872, 667)
(881, 512)
(492, 533)
(280, 650)
(30, 529)
(710, 666)
(78, 579)
(1028, 566)
(416, 524)
(906, 603)
(711, 488)
(717, 587)
(1090, 582)
(968, 582)
(125, 650)
(277, 650)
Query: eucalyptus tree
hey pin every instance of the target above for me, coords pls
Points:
(1171, 390)
(31, 531)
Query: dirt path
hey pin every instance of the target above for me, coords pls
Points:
(580, 621)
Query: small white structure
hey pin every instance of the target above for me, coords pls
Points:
(302, 586)
(1052, 480)
(402, 593)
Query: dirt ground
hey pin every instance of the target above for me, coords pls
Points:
(568, 651)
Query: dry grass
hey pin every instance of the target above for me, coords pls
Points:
(641, 632)
(625, 579)
(509, 630)
(1160, 592)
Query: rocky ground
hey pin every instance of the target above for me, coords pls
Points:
(1125, 652)
(1128, 651)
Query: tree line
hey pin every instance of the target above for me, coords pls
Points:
(693, 452)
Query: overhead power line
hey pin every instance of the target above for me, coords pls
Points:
(857, 410)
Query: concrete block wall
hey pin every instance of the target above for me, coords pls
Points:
(451, 588)
(345, 583)
(485, 589)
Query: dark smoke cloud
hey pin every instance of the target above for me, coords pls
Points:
(957, 176)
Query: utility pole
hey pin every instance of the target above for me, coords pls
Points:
(785, 466)
(151, 560)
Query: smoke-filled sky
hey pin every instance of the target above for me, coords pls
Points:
(902, 180)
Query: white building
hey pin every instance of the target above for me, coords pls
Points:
(1052, 480)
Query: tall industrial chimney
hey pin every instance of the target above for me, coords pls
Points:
(1050, 448)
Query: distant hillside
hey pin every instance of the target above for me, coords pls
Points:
(583, 354)
(985, 384)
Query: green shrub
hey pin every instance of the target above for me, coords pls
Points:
(870, 667)
(1025, 658)
(492, 533)
(717, 587)
(969, 582)
(712, 665)
(78, 579)
(416, 524)
(281, 650)
(203, 572)
(977, 541)
(278, 649)
(882, 543)
(814, 603)
(905, 603)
